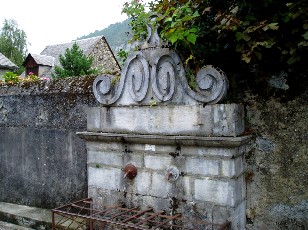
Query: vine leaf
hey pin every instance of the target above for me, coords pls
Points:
(192, 38)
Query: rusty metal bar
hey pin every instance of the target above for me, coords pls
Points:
(169, 219)
(122, 213)
(152, 216)
(107, 210)
(86, 214)
(96, 219)
(137, 215)
(53, 220)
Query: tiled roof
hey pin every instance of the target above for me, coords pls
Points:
(5, 62)
(55, 50)
(43, 59)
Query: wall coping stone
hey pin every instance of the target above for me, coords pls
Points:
(184, 120)
(69, 85)
(169, 140)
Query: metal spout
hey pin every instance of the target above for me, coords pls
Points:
(169, 175)
(130, 171)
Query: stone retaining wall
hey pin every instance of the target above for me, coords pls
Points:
(38, 125)
(42, 161)
(277, 195)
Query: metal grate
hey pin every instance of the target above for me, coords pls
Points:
(85, 214)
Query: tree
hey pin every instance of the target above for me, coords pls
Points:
(74, 63)
(13, 42)
(248, 39)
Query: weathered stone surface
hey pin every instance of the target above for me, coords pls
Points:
(221, 192)
(210, 179)
(214, 191)
(146, 140)
(212, 120)
(108, 158)
(277, 164)
(226, 118)
(105, 178)
(104, 58)
(202, 166)
(142, 185)
(42, 161)
(239, 220)
(157, 162)
(232, 167)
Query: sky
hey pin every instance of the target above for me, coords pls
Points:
(60, 21)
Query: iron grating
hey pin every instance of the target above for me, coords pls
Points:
(86, 215)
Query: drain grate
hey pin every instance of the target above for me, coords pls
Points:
(85, 214)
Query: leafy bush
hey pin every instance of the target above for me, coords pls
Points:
(250, 40)
(136, 10)
(31, 77)
(11, 78)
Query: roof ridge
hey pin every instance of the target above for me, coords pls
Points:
(5, 62)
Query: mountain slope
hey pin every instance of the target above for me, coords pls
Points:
(117, 35)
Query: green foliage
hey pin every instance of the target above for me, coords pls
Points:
(177, 23)
(136, 10)
(10, 77)
(74, 63)
(115, 79)
(122, 55)
(281, 30)
(191, 79)
(153, 103)
(250, 40)
(13, 42)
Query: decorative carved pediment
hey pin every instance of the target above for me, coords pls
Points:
(155, 75)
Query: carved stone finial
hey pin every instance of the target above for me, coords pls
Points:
(153, 39)
(158, 74)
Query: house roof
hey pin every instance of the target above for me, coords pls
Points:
(41, 59)
(86, 45)
(54, 51)
(5, 62)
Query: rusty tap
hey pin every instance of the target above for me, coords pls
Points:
(130, 171)
(169, 175)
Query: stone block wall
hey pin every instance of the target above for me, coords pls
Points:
(188, 150)
(211, 168)
(38, 125)
(42, 161)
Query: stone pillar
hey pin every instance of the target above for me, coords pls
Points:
(187, 149)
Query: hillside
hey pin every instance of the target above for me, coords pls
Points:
(117, 35)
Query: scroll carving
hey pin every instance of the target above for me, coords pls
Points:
(138, 75)
(212, 85)
(107, 90)
(157, 73)
(164, 73)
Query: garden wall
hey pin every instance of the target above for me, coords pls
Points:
(276, 176)
(42, 161)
